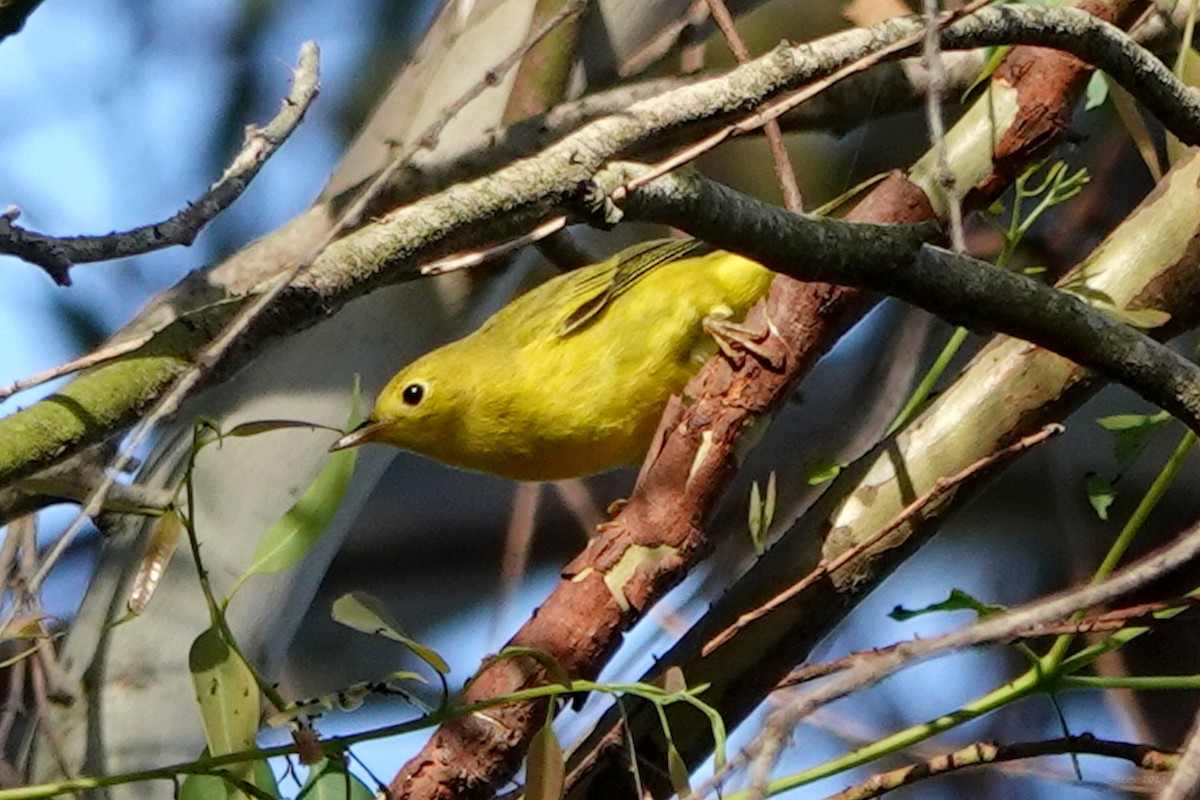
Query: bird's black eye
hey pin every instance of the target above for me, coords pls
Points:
(412, 394)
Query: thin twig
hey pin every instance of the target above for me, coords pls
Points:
(980, 754)
(517, 541)
(100, 356)
(474, 258)
(1141, 615)
(428, 139)
(932, 56)
(56, 255)
(775, 108)
(784, 172)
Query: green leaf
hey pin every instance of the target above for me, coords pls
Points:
(678, 772)
(1131, 433)
(823, 471)
(1144, 319)
(214, 787)
(27, 627)
(546, 769)
(330, 780)
(957, 600)
(1101, 493)
(761, 513)
(296, 533)
(299, 529)
(227, 697)
(993, 63)
(1097, 91)
(366, 614)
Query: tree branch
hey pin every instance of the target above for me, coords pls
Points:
(960, 289)
(984, 753)
(56, 255)
(13, 14)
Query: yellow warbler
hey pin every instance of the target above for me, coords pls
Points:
(571, 378)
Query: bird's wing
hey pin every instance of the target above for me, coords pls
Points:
(597, 290)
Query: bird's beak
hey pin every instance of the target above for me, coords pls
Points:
(369, 431)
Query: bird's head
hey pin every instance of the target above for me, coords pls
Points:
(418, 410)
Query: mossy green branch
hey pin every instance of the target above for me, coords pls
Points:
(105, 398)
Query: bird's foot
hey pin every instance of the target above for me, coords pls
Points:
(736, 339)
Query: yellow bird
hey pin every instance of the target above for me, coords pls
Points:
(571, 378)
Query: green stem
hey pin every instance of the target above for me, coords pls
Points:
(922, 392)
(1058, 651)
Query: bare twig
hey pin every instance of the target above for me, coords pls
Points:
(429, 137)
(932, 58)
(100, 356)
(56, 255)
(784, 172)
(980, 754)
(1141, 615)
(517, 541)
(474, 258)
(773, 109)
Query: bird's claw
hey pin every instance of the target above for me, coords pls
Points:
(735, 339)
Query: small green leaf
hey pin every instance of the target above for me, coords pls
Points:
(1132, 433)
(366, 614)
(678, 772)
(227, 697)
(1101, 493)
(754, 520)
(1033, 270)
(296, 533)
(993, 63)
(1096, 297)
(214, 787)
(545, 769)
(957, 600)
(1144, 319)
(1097, 91)
(330, 780)
(823, 471)
(27, 627)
